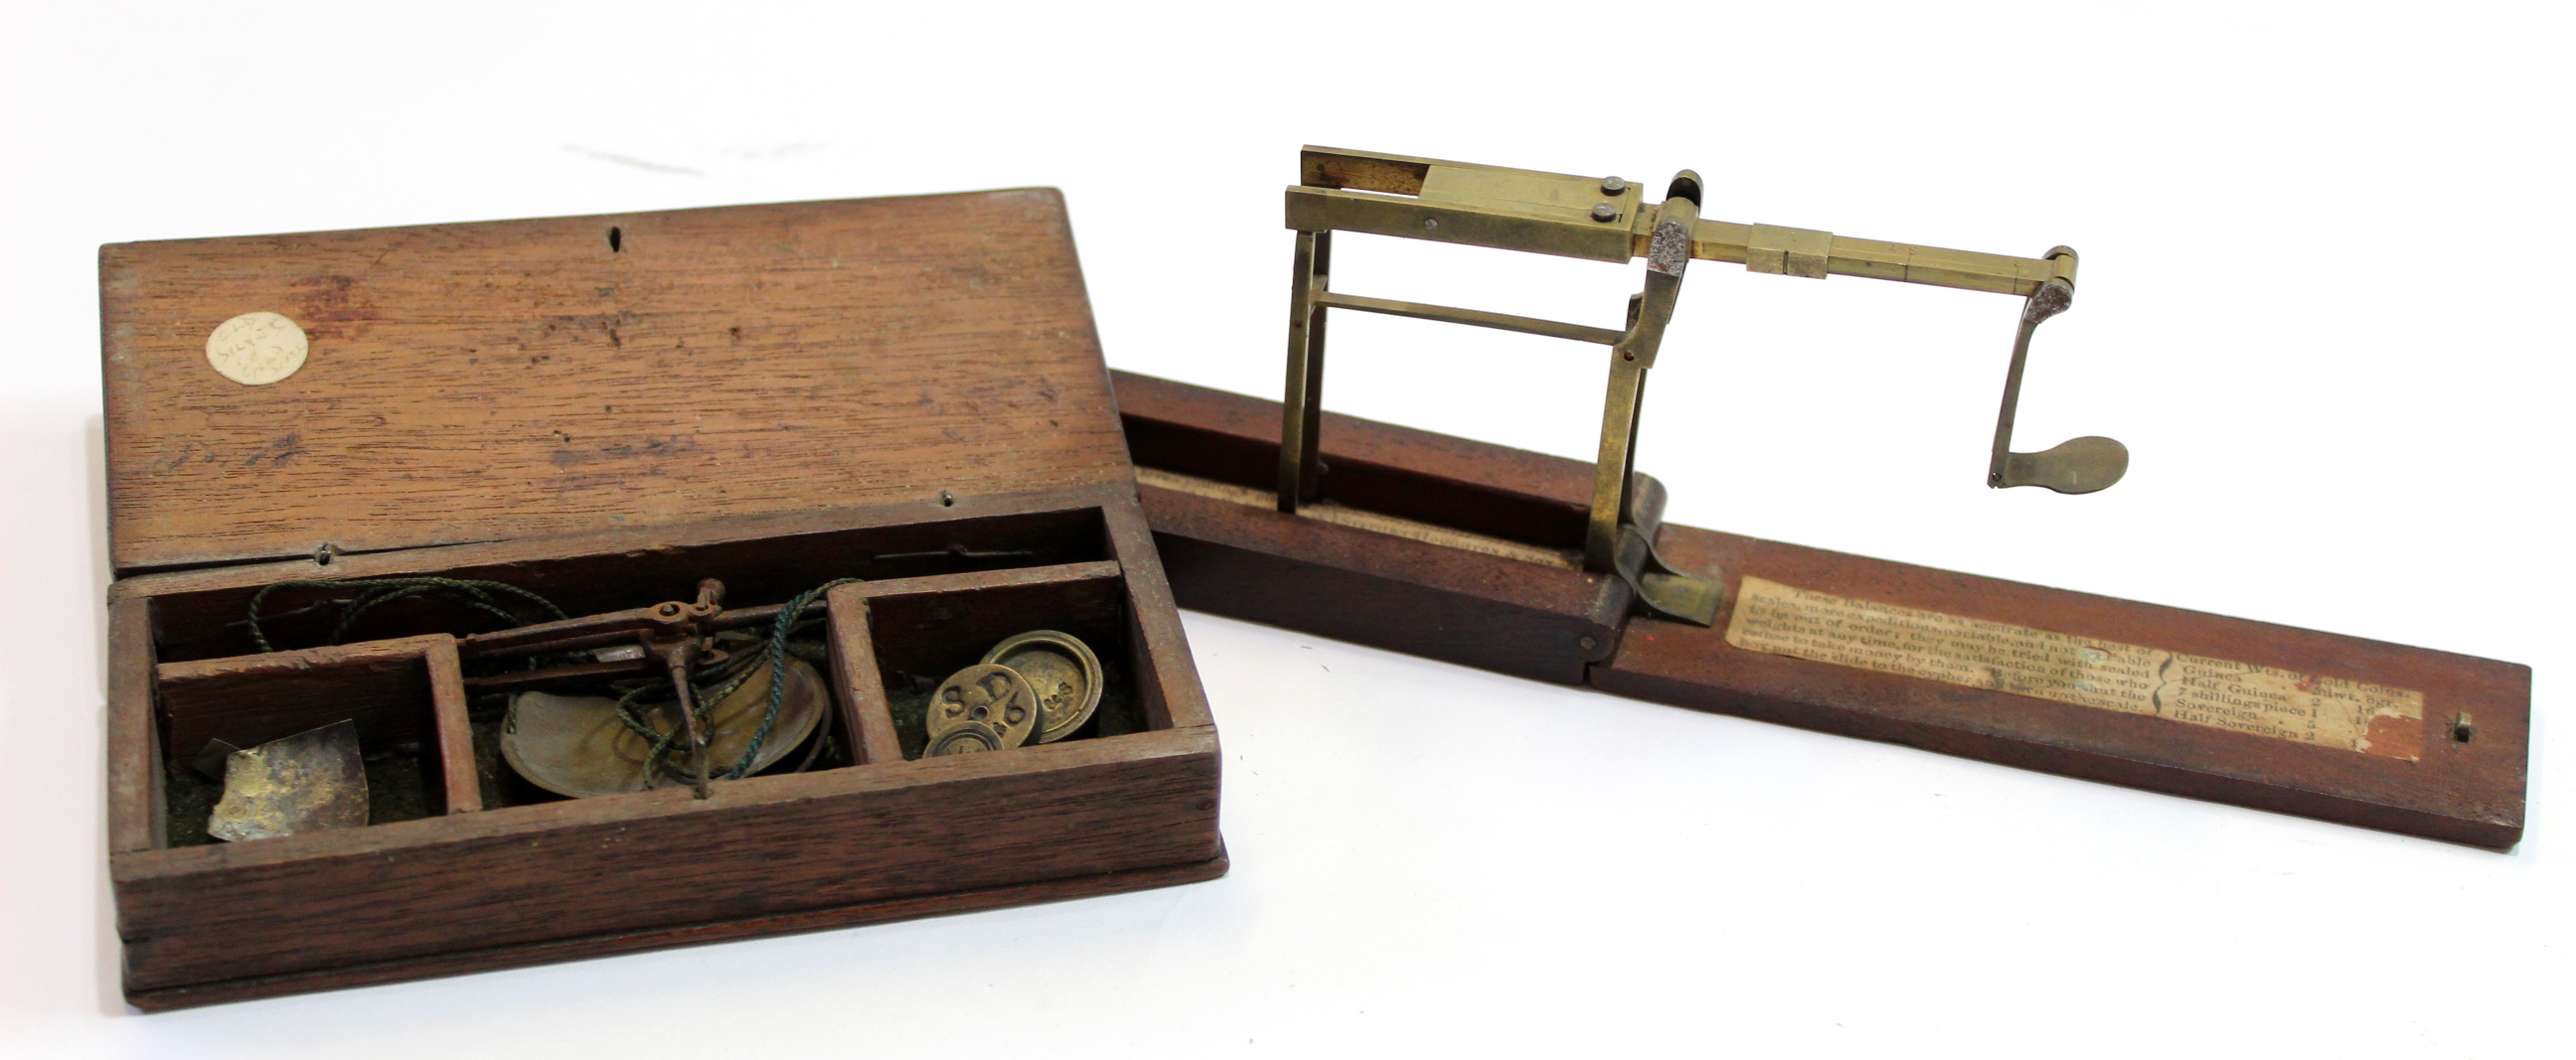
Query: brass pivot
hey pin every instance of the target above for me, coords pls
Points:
(676, 639)
(1611, 541)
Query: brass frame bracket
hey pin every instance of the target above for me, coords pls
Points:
(1607, 219)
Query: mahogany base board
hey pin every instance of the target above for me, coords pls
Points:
(1466, 552)
(498, 958)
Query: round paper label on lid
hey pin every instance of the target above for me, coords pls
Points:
(256, 349)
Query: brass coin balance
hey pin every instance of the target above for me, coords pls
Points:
(1608, 219)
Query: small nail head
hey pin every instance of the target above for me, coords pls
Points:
(1613, 185)
(1605, 212)
(1431, 224)
(1589, 643)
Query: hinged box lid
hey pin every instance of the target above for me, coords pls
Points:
(478, 382)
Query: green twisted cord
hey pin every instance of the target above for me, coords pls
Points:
(778, 670)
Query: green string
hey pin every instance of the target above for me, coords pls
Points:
(375, 592)
(705, 699)
(778, 670)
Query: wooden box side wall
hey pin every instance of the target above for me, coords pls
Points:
(1533, 620)
(1385, 591)
(879, 832)
(760, 846)
(1507, 493)
(495, 958)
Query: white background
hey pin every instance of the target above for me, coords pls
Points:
(2325, 250)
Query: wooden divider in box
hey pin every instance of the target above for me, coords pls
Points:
(604, 411)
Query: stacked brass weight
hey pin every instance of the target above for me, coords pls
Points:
(1036, 687)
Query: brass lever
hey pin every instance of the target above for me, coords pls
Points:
(2078, 465)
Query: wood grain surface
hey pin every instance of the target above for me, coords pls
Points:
(1167, 679)
(2468, 792)
(1440, 602)
(1543, 623)
(605, 410)
(136, 804)
(494, 958)
(512, 885)
(1407, 592)
(648, 861)
(856, 686)
(500, 380)
(1508, 493)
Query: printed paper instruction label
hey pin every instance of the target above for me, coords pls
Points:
(2262, 700)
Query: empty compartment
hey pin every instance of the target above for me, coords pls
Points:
(404, 697)
(912, 634)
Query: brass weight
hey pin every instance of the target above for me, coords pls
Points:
(984, 695)
(1035, 687)
(1063, 673)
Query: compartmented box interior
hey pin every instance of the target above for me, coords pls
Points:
(930, 599)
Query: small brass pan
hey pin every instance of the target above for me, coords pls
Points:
(575, 745)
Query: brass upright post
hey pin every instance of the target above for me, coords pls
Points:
(1301, 464)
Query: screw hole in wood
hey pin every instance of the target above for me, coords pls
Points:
(616, 239)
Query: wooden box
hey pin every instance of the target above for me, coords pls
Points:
(605, 410)
(1473, 553)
